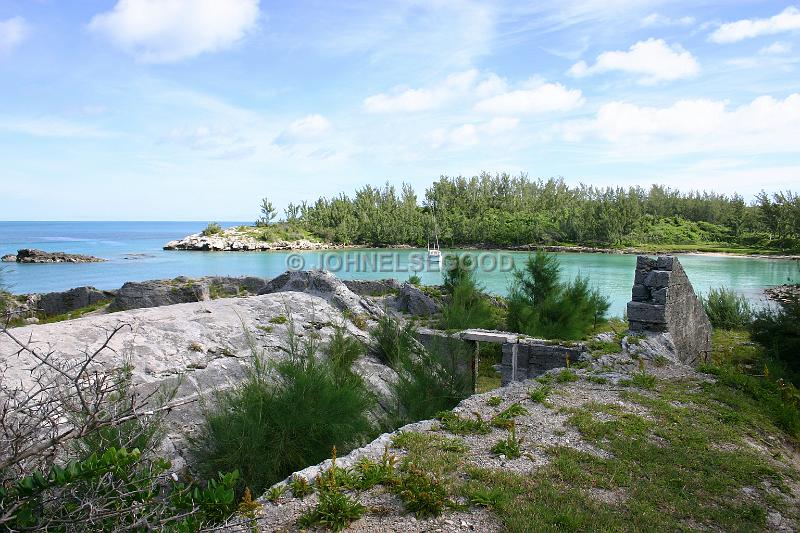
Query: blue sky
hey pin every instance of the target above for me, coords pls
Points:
(195, 109)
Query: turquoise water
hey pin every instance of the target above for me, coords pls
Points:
(134, 253)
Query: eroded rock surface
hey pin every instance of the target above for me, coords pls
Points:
(155, 293)
(197, 347)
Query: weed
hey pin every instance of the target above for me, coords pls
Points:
(279, 319)
(196, 347)
(265, 329)
(483, 496)
(566, 376)
(494, 401)
(600, 380)
(641, 380)
(540, 394)
(300, 487)
(660, 361)
(415, 280)
(334, 511)
(275, 492)
(463, 426)
(505, 419)
(422, 492)
(511, 445)
(599, 348)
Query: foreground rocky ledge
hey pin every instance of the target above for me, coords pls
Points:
(31, 255)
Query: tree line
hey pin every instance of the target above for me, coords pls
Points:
(501, 210)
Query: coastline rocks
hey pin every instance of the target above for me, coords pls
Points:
(324, 284)
(10, 258)
(368, 287)
(415, 302)
(783, 293)
(31, 255)
(57, 303)
(232, 241)
(155, 293)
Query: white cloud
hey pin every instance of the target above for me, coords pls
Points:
(657, 19)
(309, 128)
(424, 99)
(163, 31)
(12, 32)
(776, 49)
(653, 58)
(731, 32)
(217, 142)
(468, 135)
(765, 125)
(542, 98)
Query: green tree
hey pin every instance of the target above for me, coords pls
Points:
(540, 305)
(268, 213)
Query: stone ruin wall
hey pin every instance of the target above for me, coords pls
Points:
(663, 300)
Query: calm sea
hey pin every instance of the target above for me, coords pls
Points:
(133, 251)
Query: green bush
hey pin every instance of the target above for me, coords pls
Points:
(778, 330)
(393, 342)
(727, 309)
(285, 416)
(212, 228)
(429, 380)
(540, 305)
(467, 307)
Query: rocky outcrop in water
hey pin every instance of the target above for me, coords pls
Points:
(234, 240)
(784, 293)
(31, 255)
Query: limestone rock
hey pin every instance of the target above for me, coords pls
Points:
(413, 301)
(369, 287)
(31, 255)
(197, 347)
(10, 258)
(325, 285)
(235, 240)
(57, 303)
(156, 293)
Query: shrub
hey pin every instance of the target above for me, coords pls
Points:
(778, 330)
(453, 423)
(284, 416)
(727, 309)
(467, 307)
(393, 342)
(415, 280)
(540, 394)
(540, 305)
(212, 228)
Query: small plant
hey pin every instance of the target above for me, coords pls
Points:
(415, 280)
(511, 445)
(483, 496)
(335, 511)
(643, 380)
(727, 309)
(566, 376)
(505, 419)
(274, 493)
(422, 493)
(463, 426)
(249, 508)
(540, 394)
(212, 229)
(494, 401)
(660, 361)
(600, 380)
(265, 329)
(300, 487)
(279, 319)
(196, 347)
(371, 473)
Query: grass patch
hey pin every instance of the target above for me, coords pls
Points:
(505, 419)
(566, 376)
(71, 315)
(453, 423)
(279, 319)
(494, 401)
(511, 446)
(540, 394)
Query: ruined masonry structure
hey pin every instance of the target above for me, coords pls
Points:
(663, 301)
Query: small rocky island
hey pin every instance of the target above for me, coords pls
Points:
(31, 255)
(242, 239)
